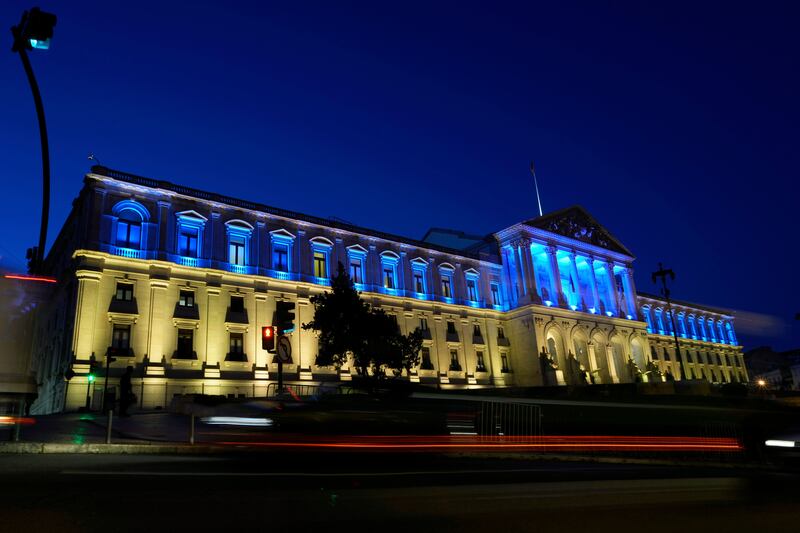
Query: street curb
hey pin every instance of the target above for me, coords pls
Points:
(124, 449)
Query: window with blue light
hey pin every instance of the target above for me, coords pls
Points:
(471, 278)
(389, 262)
(190, 226)
(236, 250)
(419, 282)
(188, 242)
(280, 257)
(446, 288)
(129, 229)
(495, 290)
(472, 290)
(356, 270)
(388, 277)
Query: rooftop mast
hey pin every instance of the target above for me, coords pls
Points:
(536, 186)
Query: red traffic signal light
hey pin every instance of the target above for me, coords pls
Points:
(268, 338)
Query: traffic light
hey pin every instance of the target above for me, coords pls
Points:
(284, 317)
(34, 30)
(268, 338)
(92, 370)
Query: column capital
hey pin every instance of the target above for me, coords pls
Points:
(551, 249)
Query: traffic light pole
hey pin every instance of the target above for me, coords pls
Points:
(37, 100)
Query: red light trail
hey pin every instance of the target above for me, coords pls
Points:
(23, 277)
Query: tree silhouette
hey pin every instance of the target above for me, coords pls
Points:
(349, 327)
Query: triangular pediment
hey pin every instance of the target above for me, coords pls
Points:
(576, 223)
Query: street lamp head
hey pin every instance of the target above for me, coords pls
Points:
(35, 30)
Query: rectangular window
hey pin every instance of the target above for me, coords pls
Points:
(446, 287)
(320, 265)
(451, 326)
(388, 278)
(237, 304)
(237, 343)
(187, 242)
(121, 337)
(480, 365)
(236, 250)
(426, 359)
(419, 284)
(124, 292)
(423, 324)
(504, 362)
(454, 364)
(472, 290)
(280, 258)
(185, 342)
(476, 331)
(501, 334)
(355, 271)
(129, 234)
(496, 295)
(186, 299)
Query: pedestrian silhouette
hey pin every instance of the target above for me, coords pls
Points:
(126, 391)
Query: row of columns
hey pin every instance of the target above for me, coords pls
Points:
(522, 272)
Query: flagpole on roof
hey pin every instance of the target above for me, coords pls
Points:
(536, 186)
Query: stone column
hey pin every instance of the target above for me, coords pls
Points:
(630, 292)
(555, 278)
(530, 274)
(86, 313)
(158, 320)
(165, 243)
(373, 274)
(340, 256)
(513, 280)
(612, 289)
(592, 355)
(593, 285)
(215, 248)
(302, 266)
(256, 247)
(576, 280)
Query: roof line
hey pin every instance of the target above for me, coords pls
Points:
(718, 310)
(255, 206)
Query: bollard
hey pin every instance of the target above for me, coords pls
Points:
(108, 426)
(191, 429)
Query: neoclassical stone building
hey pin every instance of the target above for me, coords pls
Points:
(177, 283)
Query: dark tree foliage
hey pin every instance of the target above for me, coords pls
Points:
(348, 326)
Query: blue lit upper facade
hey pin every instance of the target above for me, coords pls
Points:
(692, 322)
(149, 219)
(565, 259)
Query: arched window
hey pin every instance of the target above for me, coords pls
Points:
(127, 227)
(731, 336)
(648, 318)
(129, 230)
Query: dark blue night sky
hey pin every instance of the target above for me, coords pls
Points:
(675, 125)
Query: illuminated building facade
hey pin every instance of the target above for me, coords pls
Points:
(177, 283)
